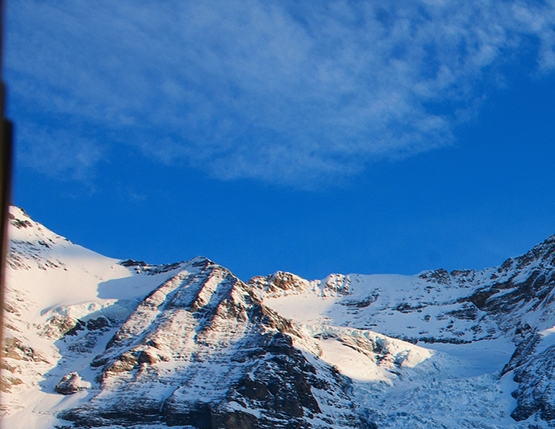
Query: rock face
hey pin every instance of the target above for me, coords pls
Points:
(189, 345)
(206, 341)
(71, 383)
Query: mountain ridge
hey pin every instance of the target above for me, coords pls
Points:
(99, 342)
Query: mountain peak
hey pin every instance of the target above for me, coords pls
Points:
(94, 342)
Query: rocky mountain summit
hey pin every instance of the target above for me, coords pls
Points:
(94, 342)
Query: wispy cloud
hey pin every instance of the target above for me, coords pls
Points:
(287, 92)
(57, 153)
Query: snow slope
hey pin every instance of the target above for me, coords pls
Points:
(97, 342)
(51, 284)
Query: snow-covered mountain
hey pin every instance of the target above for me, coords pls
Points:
(96, 342)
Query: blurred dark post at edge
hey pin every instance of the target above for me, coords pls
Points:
(5, 177)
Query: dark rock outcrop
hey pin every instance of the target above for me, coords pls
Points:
(71, 383)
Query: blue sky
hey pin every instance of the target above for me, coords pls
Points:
(312, 137)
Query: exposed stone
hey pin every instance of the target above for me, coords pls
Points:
(468, 312)
(150, 356)
(98, 323)
(14, 348)
(57, 326)
(522, 353)
(6, 383)
(71, 383)
(278, 283)
(536, 391)
(124, 363)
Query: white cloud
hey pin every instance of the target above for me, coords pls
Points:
(287, 92)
